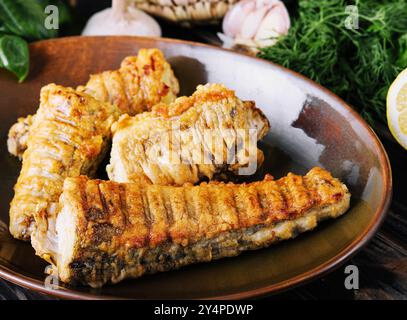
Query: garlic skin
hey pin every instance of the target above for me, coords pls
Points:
(131, 22)
(255, 23)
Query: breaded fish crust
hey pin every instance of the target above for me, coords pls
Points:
(208, 133)
(141, 82)
(109, 231)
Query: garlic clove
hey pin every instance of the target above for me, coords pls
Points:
(279, 18)
(256, 23)
(276, 23)
(252, 22)
(232, 21)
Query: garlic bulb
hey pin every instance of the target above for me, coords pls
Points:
(255, 23)
(122, 19)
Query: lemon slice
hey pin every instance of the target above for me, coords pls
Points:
(397, 108)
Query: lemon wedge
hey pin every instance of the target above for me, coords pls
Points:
(397, 108)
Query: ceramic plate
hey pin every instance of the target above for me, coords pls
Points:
(310, 126)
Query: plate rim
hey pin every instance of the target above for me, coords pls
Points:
(312, 274)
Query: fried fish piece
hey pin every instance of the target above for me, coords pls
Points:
(207, 134)
(69, 136)
(110, 231)
(18, 135)
(141, 82)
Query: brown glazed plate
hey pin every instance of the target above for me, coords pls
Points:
(309, 126)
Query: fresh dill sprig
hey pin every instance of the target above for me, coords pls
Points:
(357, 64)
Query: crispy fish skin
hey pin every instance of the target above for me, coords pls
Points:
(110, 231)
(141, 82)
(68, 138)
(171, 144)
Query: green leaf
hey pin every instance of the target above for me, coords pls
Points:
(25, 18)
(14, 55)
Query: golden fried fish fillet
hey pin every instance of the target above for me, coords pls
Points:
(209, 133)
(109, 231)
(141, 82)
(69, 136)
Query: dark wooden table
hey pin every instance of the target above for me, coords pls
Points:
(382, 263)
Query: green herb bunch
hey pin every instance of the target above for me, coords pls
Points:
(358, 64)
(22, 21)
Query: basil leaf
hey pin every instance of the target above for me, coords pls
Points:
(14, 55)
(25, 18)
